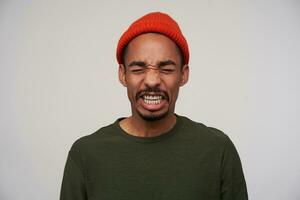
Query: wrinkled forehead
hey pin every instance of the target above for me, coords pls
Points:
(152, 48)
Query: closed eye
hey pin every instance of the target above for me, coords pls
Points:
(167, 71)
(137, 69)
(167, 66)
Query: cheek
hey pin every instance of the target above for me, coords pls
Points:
(172, 84)
(132, 87)
(173, 92)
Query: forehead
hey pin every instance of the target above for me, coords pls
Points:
(152, 46)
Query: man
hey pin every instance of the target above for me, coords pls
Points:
(154, 153)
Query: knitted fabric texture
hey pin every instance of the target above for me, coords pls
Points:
(155, 22)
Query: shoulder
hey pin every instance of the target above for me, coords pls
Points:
(203, 138)
(89, 142)
(202, 132)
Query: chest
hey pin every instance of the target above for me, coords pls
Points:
(154, 172)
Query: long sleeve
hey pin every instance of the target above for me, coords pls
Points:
(233, 185)
(73, 184)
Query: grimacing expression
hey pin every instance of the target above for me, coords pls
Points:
(153, 72)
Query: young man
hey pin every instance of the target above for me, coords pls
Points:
(154, 153)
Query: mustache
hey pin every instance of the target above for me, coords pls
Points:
(158, 91)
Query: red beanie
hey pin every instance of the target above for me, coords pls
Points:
(155, 22)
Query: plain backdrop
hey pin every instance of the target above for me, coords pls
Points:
(58, 81)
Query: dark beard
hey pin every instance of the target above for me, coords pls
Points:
(148, 90)
(152, 118)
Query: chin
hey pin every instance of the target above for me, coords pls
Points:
(153, 117)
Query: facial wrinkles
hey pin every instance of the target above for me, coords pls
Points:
(153, 52)
(166, 66)
(178, 50)
(152, 95)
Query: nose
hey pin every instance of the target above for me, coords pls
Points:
(152, 77)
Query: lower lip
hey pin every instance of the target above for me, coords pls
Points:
(153, 107)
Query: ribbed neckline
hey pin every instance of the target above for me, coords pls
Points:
(153, 139)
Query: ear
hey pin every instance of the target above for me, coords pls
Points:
(122, 75)
(184, 75)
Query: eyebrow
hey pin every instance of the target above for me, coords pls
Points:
(143, 64)
(167, 62)
(137, 63)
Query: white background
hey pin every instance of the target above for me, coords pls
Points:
(58, 81)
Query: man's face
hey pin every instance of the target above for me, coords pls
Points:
(152, 75)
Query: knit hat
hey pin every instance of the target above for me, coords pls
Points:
(155, 22)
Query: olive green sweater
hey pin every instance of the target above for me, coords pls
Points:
(189, 162)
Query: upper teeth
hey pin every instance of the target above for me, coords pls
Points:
(149, 97)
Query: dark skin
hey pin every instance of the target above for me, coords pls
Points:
(177, 48)
(153, 70)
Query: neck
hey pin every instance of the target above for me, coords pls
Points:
(135, 125)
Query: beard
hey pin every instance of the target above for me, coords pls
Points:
(152, 117)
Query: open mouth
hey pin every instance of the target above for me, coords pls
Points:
(152, 99)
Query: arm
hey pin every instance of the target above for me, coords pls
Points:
(233, 185)
(73, 184)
